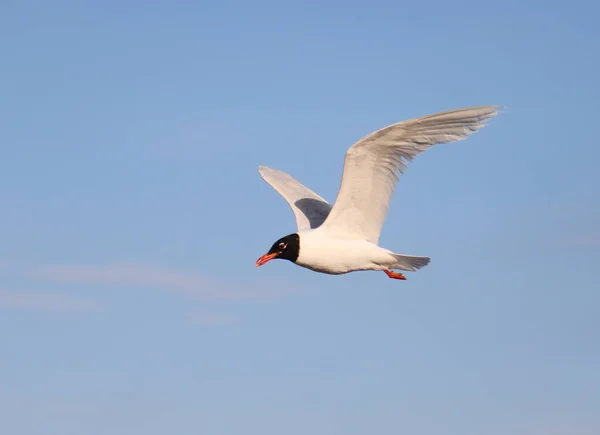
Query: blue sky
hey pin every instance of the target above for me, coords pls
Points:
(133, 213)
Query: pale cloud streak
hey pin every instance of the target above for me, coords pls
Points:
(44, 301)
(128, 275)
(212, 319)
(133, 274)
(563, 429)
(584, 241)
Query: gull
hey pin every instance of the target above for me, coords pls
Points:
(345, 237)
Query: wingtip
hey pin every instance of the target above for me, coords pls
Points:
(266, 172)
(490, 112)
(497, 108)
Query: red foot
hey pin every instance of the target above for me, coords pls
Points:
(394, 275)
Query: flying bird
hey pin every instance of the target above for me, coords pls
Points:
(344, 237)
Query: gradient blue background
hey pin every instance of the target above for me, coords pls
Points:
(132, 215)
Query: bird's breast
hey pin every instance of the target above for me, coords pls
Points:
(323, 253)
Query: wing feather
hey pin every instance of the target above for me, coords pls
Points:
(309, 208)
(374, 164)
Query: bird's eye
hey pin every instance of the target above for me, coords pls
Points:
(282, 245)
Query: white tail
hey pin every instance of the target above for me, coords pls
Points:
(410, 262)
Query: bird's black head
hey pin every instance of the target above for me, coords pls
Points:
(286, 248)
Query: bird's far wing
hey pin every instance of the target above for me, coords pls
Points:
(374, 164)
(309, 208)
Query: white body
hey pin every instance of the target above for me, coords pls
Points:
(321, 252)
(345, 237)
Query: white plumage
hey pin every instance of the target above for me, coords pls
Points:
(309, 208)
(344, 238)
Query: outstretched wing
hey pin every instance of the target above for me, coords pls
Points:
(374, 164)
(309, 208)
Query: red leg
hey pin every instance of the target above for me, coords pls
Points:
(394, 275)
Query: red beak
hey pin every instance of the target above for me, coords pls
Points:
(266, 258)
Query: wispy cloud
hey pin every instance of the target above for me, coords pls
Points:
(212, 319)
(563, 429)
(132, 274)
(44, 301)
(584, 241)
